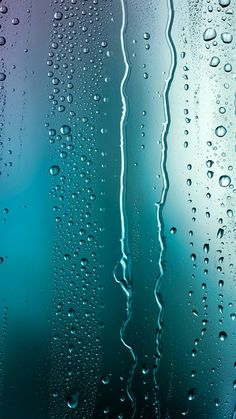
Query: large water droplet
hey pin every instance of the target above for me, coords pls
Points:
(3, 9)
(65, 129)
(215, 61)
(15, 21)
(226, 37)
(224, 3)
(58, 15)
(73, 400)
(224, 181)
(220, 131)
(209, 34)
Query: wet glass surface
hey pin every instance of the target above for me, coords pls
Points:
(117, 203)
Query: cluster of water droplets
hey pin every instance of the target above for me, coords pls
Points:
(76, 73)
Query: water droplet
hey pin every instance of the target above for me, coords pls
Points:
(3, 9)
(54, 170)
(215, 61)
(145, 369)
(71, 312)
(230, 213)
(224, 3)
(217, 402)
(222, 336)
(58, 15)
(224, 181)
(15, 21)
(65, 129)
(206, 248)
(222, 110)
(146, 35)
(105, 380)
(226, 37)
(2, 40)
(192, 394)
(209, 163)
(73, 400)
(228, 68)
(84, 262)
(220, 233)
(209, 34)
(1, 260)
(97, 98)
(2, 76)
(220, 131)
(173, 230)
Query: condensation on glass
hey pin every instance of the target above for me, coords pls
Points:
(117, 244)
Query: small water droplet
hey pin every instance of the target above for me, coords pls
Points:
(84, 262)
(228, 68)
(71, 312)
(206, 248)
(222, 336)
(54, 170)
(192, 394)
(220, 233)
(217, 402)
(146, 35)
(105, 380)
(230, 213)
(96, 98)
(222, 110)
(209, 163)
(2, 40)
(145, 369)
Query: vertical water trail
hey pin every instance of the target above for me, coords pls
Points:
(125, 261)
(161, 203)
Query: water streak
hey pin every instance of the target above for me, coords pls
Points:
(161, 203)
(125, 261)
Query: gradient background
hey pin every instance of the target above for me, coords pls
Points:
(61, 309)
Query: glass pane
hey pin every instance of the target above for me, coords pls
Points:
(117, 243)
